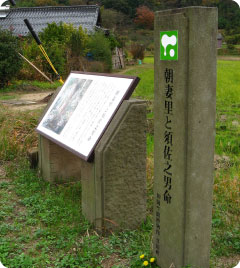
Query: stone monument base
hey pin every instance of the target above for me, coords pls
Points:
(114, 183)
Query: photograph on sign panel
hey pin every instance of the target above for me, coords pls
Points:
(66, 104)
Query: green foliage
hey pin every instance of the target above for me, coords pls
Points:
(57, 33)
(25, 3)
(56, 39)
(230, 46)
(40, 85)
(100, 48)
(113, 19)
(113, 41)
(145, 88)
(124, 6)
(233, 39)
(231, 50)
(229, 15)
(57, 54)
(78, 42)
(226, 236)
(45, 3)
(10, 62)
(31, 51)
(67, 47)
(228, 90)
(144, 261)
(64, 42)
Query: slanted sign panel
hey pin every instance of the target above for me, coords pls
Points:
(83, 109)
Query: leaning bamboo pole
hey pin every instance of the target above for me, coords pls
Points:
(36, 68)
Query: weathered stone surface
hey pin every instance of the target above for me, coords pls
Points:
(58, 165)
(120, 160)
(114, 184)
(182, 226)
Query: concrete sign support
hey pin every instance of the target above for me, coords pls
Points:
(185, 97)
(114, 183)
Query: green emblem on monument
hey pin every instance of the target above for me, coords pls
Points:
(169, 45)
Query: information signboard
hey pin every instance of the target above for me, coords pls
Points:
(83, 109)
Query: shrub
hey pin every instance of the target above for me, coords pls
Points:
(32, 53)
(46, 3)
(99, 46)
(113, 41)
(65, 46)
(233, 39)
(57, 33)
(150, 48)
(96, 67)
(137, 51)
(78, 42)
(77, 63)
(230, 46)
(70, 46)
(10, 62)
(123, 39)
(56, 53)
(225, 51)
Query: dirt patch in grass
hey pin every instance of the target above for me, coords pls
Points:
(114, 259)
(28, 102)
(2, 172)
(227, 262)
(222, 162)
(37, 97)
(230, 58)
(28, 107)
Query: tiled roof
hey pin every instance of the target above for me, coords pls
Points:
(86, 16)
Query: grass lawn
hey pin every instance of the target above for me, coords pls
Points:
(41, 225)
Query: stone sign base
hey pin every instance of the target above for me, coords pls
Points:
(114, 184)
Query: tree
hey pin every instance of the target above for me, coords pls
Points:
(100, 48)
(76, 2)
(229, 16)
(10, 62)
(125, 6)
(63, 42)
(145, 17)
(120, 5)
(112, 19)
(25, 3)
(46, 3)
(168, 4)
(210, 3)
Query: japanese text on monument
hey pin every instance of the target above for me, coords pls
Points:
(157, 235)
(168, 135)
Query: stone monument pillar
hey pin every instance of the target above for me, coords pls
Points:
(185, 96)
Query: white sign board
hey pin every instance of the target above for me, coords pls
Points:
(83, 108)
